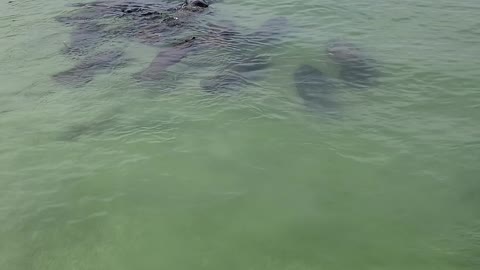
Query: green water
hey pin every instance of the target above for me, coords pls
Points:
(117, 175)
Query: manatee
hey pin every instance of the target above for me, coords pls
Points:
(157, 24)
(356, 68)
(196, 3)
(84, 38)
(270, 31)
(96, 127)
(5, 111)
(215, 36)
(147, 23)
(249, 58)
(244, 72)
(135, 20)
(85, 71)
(165, 59)
(315, 89)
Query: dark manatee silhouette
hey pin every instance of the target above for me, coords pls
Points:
(356, 68)
(85, 37)
(165, 59)
(102, 21)
(315, 89)
(243, 72)
(85, 70)
(91, 128)
(160, 24)
(272, 30)
(146, 22)
(249, 57)
(216, 36)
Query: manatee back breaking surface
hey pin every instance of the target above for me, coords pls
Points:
(356, 67)
(102, 22)
(139, 20)
(315, 89)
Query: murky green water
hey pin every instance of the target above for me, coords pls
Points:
(117, 175)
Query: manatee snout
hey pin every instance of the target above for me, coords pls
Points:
(197, 3)
(341, 51)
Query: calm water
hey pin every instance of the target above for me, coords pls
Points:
(118, 175)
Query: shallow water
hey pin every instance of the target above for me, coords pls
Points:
(123, 175)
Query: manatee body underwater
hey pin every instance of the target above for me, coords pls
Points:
(99, 22)
(250, 58)
(84, 71)
(356, 68)
(214, 37)
(246, 54)
(316, 90)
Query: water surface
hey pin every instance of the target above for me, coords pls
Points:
(122, 175)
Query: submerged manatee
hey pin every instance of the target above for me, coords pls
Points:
(270, 31)
(216, 36)
(144, 22)
(92, 128)
(148, 23)
(244, 72)
(85, 71)
(250, 58)
(165, 59)
(315, 89)
(356, 68)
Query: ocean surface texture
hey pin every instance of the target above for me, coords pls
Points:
(256, 151)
